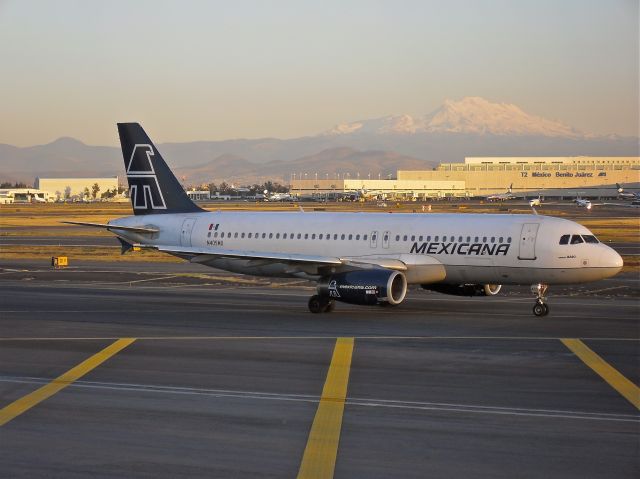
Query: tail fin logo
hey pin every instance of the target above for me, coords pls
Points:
(144, 189)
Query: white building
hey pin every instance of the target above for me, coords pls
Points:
(65, 188)
(195, 195)
(23, 195)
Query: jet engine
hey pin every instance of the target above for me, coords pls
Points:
(465, 289)
(365, 287)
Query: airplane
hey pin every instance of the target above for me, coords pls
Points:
(582, 203)
(535, 201)
(626, 196)
(277, 196)
(358, 258)
(508, 195)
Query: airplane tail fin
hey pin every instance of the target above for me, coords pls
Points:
(153, 188)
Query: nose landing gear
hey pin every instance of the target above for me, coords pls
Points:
(540, 308)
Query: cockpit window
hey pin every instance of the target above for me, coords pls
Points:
(564, 239)
(576, 239)
(590, 239)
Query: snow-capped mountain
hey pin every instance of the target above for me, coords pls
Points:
(471, 115)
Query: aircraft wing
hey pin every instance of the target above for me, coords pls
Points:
(205, 255)
(202, 255)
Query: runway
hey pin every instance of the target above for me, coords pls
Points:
(224, 378)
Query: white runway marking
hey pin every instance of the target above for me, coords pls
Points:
(351, 401)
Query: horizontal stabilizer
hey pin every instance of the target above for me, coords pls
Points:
(133, 229)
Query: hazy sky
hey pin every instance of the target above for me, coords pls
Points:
(208, 70)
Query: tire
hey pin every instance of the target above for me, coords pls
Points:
(316, 305)
(540, 309)
(546, 309)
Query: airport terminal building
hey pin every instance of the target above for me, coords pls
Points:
(586, 176)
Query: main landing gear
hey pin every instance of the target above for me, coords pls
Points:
(321, 304)
(540, 308)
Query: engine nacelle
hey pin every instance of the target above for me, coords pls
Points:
(465, 289)
(365, 287)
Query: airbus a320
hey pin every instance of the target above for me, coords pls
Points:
(367, 259)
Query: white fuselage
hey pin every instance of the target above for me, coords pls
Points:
(472, 248)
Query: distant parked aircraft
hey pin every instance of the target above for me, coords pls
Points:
(508, 195)
(627, 196)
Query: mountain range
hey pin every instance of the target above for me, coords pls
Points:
(471, 126)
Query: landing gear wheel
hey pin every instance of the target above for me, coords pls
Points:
(320, 304)
(540, 308)
(316, 305)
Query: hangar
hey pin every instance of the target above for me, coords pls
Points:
(64, 188)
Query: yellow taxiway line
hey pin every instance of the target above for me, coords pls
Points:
(32, 399)
(319, 459)
(617, 381)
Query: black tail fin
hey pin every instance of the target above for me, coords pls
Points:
(152, 186)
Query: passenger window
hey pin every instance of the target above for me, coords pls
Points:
(277, 235)
(420, 238)
(365, 237)
(509, 239)
(299, 235)
(468, 239)
(335, 236)
(328, 236)
(242, 235)
(459, 239)
(350, 237)
(493, 239)
(576, 239)
(404, 238)
(590, 239)
(357, 237)
(476, 239)
(500, 239)
(413, 238)
(429, 238)
(484, 239)
(284, 235)
(320, 236)
(306, 236)
(436, 238)
(270, 235)
(235, 235)
(313, 236)
(264, 235)
(397, 237)
(249, 235)
(341, 237)
(564, 239)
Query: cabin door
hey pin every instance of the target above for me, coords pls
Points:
(528, 241)
(185, 235)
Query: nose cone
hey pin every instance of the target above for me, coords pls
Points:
(610, 261)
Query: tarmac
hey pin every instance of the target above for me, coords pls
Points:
(206, 373)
